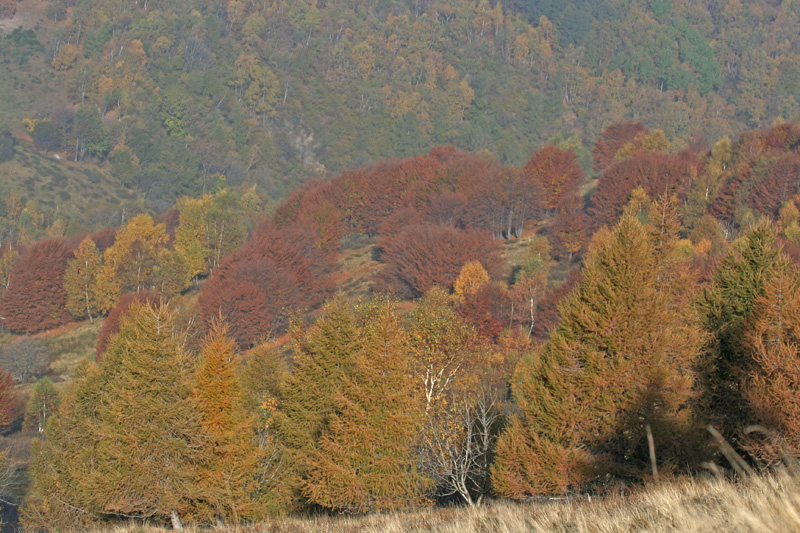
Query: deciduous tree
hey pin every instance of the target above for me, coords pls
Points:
(35, 299)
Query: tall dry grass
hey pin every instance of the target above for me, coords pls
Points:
(767, 503)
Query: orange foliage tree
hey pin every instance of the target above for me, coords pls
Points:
(772, 377)
(621, 357)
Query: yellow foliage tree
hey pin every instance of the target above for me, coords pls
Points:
(471, 278)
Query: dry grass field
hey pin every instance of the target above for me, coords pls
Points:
(769, 503)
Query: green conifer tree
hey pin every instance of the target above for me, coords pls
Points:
(739, 282)
(621, 359)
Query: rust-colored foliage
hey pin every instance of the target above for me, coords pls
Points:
(782, 137)
(774, 378)
(281, 271)
(426, 255)
(104, 238)
(570, 230)
(9, 405)
(115, 316)
(781, 183)
(446, 186)
(611, 141)
(171, 220)
(556, 173)
(657, 174)
(35, 299)
(488, 309)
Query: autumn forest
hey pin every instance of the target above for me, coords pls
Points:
(274, 259)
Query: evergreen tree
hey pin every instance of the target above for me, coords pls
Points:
(621, 358)
(348, 416)
(739, 281)
(127, 438)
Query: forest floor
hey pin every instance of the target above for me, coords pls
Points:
(767, 503)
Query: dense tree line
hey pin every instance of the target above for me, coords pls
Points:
(575, 366)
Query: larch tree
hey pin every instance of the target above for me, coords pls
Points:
(621, 359)
(348, 417)
(80, 280)
(772, 380)
(226, 474)
(128, 436)
(738, 282)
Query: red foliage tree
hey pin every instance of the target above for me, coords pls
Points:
(488, 309)
(115, 316)
(611, 141)
(422, 256)
(780, 184)
(557, 174)
(35, 299)
(9, 403)
(242, 305)
(658, 174)
(283, 269)
(570, 230)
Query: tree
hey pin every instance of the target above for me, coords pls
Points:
(117, 314)
(471, 278)
(42, 404)
(129, 264)
(348, 418)
(770, 381)
(128, 435)
(80, 280)
(423, 256)
(457, 425)
(658, 174)
(280, 271)
(778, 186)
(739, 282)
(227, 470)
(263, 378)
(35, 299)
(611, 141)
(621, 358)
(9, 405)
(210, 229)
(25, 358)
(557, 175)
